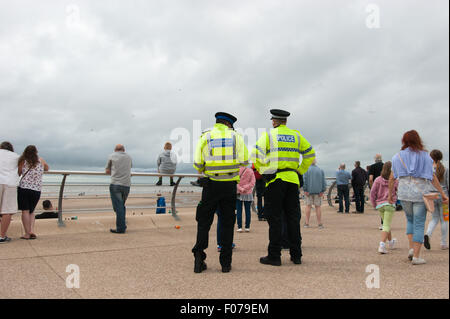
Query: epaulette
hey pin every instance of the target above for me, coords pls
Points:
(204, 132)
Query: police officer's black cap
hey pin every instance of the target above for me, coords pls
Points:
(279, 114)
(226, 116)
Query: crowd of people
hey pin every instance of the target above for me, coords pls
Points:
(414, 178)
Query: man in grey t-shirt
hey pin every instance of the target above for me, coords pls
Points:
(119, 167)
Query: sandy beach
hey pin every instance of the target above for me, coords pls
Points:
(154, 260)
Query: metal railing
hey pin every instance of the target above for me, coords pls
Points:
(90, 173)
(179, 177)
(329, 191)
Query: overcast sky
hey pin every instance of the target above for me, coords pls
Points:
(78, 77)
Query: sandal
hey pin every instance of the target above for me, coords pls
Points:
(33, 236)
(25, 238)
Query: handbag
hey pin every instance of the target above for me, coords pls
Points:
(428, 198)
(23, 175)
(445, 212)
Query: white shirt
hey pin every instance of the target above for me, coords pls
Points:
(8, 168)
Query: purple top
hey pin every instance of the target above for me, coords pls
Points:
(419, 164)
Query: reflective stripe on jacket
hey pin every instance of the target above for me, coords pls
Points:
(281, 148)
(220, 153)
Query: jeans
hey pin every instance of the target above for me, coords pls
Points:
(416, 215)
(344, 194)
(119, 195)
(438, 217)
(248, 215)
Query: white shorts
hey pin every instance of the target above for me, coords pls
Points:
(313, 199)
(8, 199)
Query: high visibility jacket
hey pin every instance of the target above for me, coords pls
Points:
(280, 149)
(220, 153)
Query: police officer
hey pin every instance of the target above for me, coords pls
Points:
(277, 157)
(219, 155)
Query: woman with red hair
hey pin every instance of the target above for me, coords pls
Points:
(413, 167)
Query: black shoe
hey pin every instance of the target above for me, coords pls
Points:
(226, 268)
(159, 183)
(296, 261)
(199, 264)
(267, 261)
(172, 184)
(426, 242)
(5, 240)
(200, 267)
(114, 231)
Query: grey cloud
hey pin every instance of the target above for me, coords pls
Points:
(132, 72)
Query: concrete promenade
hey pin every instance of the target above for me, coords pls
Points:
(154, 260)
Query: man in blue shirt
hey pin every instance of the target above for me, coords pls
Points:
(342, 180)
(314, 187)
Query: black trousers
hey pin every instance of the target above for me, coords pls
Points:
(283, 197)
(222, 196)
(260, 186)
(344, 194)
(359, 198)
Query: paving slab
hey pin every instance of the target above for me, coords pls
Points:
(154, 260)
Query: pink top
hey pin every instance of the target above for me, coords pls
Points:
(380, 191)
(247, 182)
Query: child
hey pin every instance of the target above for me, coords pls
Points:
(379, 197)
(440, 213)
(245, 197)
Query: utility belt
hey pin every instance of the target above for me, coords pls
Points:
(270, 177)
(203, 181)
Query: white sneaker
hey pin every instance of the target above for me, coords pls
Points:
(380, 228)
(418, 261)
(444, 247)
(239, 230)
(247, 230)
(382, 249)
(410, 254)
(392, 243)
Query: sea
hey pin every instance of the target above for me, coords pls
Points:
(93, 185)
(98, 185)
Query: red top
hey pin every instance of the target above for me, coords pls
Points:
(257, 175)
